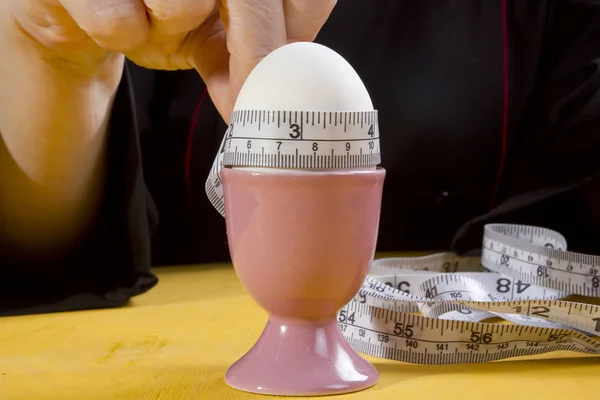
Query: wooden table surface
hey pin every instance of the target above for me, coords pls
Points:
(176, 342)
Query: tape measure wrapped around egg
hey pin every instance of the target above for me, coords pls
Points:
(302, 107)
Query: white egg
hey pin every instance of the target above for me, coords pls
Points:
(304, 76)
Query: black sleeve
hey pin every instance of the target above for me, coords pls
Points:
(552, 175)
(111, 263)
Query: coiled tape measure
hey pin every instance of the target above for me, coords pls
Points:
(431, 309)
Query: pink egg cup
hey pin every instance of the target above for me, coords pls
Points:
(301, 244)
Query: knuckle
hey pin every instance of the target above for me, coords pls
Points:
(117, 24)
(63, 39)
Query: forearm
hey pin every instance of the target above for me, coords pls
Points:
(53, 133)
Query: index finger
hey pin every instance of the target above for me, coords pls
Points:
(254, 29)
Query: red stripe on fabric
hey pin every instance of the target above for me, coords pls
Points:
(188, 153)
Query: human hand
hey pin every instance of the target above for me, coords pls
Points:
(223, 40)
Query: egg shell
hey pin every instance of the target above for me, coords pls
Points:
(304, 76)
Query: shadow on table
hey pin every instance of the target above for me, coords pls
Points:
(190, 268)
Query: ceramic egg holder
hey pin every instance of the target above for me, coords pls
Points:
(301, 241)
(301, 244)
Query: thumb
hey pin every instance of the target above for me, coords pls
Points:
(210, 59)
(254, 29)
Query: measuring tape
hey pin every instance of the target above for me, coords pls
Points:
(432, 309)
(279, 139)
(429, 310)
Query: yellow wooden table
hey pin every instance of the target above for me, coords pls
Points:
(176, 342)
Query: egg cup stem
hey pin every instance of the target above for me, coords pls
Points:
(301, 358)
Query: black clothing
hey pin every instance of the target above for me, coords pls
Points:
(489, 111)
(111, 264)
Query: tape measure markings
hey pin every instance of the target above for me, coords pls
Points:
(295, 160)
(295, 140)
(420, 340)
(579, 315)
(262, 116)
(284, 139)
(550, 267)
(410, 321)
